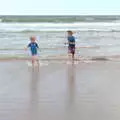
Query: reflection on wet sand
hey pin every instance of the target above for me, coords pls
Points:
(34, 97)
(60, 91)
(71, 82)
(36, 112)
(71, 91)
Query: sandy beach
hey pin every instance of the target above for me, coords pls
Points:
(59, 91)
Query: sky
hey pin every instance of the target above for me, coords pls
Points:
(59, 7)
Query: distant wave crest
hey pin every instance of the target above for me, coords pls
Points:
(59, 19)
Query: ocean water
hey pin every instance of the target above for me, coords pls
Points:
(96, 36)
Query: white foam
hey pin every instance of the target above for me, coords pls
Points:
(82, 26)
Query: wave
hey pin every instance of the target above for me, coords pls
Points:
(0, 20)
(55, 30)
(62, 58)
(37, 27)
(55, 48)
(59, 19)
(100, 59)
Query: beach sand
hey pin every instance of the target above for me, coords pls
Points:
(60, 91)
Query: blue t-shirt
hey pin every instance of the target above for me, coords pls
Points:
(33, 47)
(71, 41)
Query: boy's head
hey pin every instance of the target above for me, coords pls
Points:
(32, 38)
(70, 33)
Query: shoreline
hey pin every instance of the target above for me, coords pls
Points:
(64, 58)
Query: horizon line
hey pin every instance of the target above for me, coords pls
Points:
(65, 15)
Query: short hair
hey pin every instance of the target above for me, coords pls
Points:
(32, 38)
(70, 32)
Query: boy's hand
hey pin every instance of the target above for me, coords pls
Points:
(66, 43)
(25, 49)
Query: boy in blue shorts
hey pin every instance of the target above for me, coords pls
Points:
(71, 43)
(34, 50)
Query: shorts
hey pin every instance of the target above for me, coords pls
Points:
(71, 49)
(33, 53)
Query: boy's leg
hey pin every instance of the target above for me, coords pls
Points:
(73, 56)
(73, 53)
(69, 53)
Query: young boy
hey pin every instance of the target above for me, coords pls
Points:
(71, 43)
(34, 49)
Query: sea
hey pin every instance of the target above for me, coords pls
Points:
(96, 36)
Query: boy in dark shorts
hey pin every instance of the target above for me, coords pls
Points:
(71, 43)
(34, 50)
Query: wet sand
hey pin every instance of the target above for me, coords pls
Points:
(59, 91)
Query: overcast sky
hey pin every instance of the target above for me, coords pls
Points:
(59, 7)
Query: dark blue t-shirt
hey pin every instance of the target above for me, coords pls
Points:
(33, 47)
(71, 41)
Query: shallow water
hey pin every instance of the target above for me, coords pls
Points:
(92, 39)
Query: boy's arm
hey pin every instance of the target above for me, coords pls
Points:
(66, 43)
(27, 47)
(37, 46)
